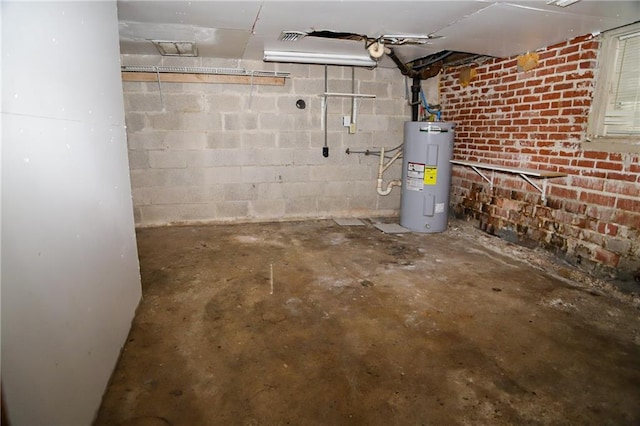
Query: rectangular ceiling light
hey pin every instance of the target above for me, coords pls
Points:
(175, 48)
(320, 58)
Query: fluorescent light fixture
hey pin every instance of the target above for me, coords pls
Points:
(320, 58)
(562, 3)
(175, 48)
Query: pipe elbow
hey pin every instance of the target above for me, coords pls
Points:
(390, 186)
(379, 188)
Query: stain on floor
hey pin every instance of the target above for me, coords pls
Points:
(313, 323)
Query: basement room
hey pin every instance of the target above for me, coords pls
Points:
(312, 212)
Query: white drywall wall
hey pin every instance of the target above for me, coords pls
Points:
(70, 275)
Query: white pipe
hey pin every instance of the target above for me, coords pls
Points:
(354, 99)
(382, 168)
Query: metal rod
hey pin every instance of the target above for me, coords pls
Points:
(202, 70)
(349, 95)
(373, 152)
(525, 177)
(483, 176)
(160, 90)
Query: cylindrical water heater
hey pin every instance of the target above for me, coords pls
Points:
(426, 175)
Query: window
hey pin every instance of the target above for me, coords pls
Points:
(615, 116)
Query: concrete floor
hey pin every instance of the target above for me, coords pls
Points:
(313, 323)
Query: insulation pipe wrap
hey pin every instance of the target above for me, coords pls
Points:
(382, 168)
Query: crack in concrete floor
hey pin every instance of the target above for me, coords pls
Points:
(367, 328)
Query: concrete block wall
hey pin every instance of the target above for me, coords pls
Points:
(537, 119)
(233, 152)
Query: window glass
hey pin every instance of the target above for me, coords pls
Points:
(614, 120)
(623, 109)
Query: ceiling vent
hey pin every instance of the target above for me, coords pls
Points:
(175, 48)
(291, 35)
(562, 3)
(400, 39)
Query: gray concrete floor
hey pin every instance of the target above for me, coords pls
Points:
(313, 323)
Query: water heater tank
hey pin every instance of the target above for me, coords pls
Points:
(426, 175)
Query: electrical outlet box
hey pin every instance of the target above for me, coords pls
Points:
(346, 121)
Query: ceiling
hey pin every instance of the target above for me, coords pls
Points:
(243, 29)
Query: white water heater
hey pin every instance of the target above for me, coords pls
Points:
(426, 175)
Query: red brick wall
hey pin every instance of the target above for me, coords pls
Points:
(537, 120)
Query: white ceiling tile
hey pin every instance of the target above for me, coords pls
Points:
(213, 14)
(223, 43)
(241, 29)
(504, 29)
(369, 18)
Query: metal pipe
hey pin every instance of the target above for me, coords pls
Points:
(415, 98)
(372, 152)
(401, 65)
(325, 148)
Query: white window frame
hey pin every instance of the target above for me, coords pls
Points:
(605, 76)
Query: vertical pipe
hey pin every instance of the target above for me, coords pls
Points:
(325, 148)
(353, 99)
(415, 98)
